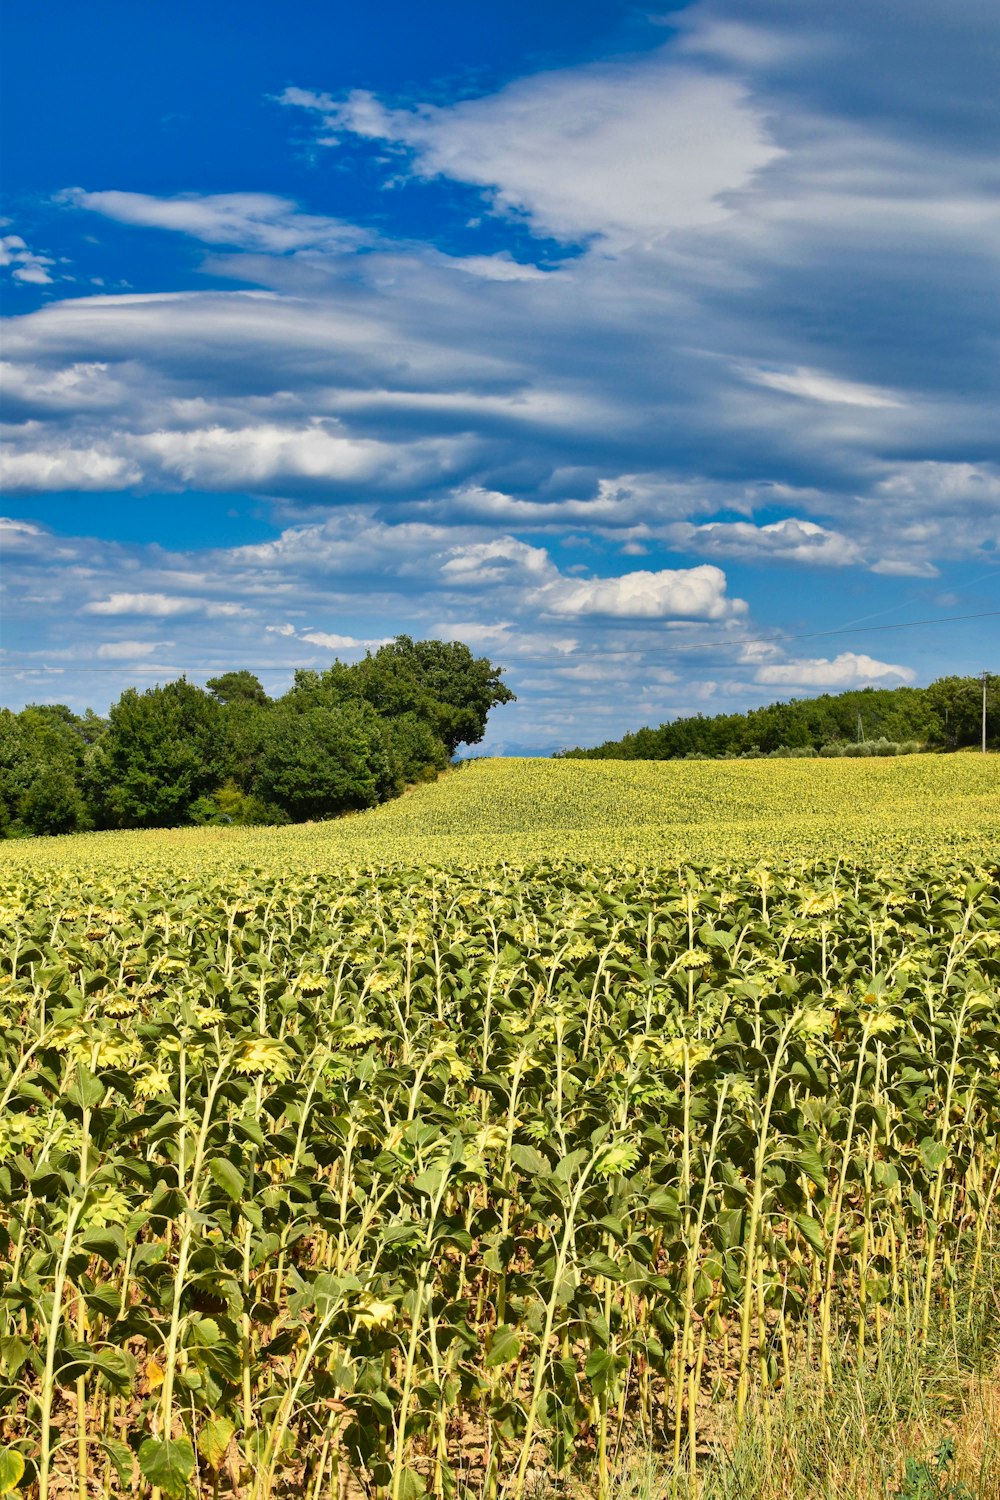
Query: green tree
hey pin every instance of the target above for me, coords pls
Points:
(237, 687)
(53, 803)
(325, 761)
(161, 752)
(441, 681)
(38, 740)
(418, 751)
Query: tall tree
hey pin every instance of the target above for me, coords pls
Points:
(325, 761)
(160, 752)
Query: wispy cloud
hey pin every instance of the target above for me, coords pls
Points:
(128, 650)
(160, 606)
(250, 221)
(814, 385)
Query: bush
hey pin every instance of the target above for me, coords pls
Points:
(228, 805)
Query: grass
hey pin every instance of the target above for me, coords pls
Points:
(921, 1422)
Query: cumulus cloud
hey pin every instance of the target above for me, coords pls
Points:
(689, 593)
(63, 467)
(216, 456)
(504, 560)
(847, 670)
(791, 539)
(499, 267)
(19, 533)
(78, 387)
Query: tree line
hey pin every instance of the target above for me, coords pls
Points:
(946, 715)
(338, 740)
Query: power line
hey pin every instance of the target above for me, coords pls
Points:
(567, 657)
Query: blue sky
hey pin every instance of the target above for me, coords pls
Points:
(651, 352)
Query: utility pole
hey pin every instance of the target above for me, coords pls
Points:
(985, 676)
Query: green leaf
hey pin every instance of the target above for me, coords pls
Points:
(167, 1463)
(227, 1177)
(505, 1346)
(214, 1439)
(602, 1367)
(252, 1214)
(108, 1243)
(429, 1181)
(933, 1153)
(88, 1090)
(11, 1469)
(13, 1352)
(328, 1293)
(599, 1264)
(811, 1231)
(121, 1456)
(530, 1161)
(204, 1331)
(411, 1485)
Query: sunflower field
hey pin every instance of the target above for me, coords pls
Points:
(450, 1149)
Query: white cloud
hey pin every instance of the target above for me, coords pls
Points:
(936, 490)
(506, 636)
(24, 264)
(80, 386)
(251, 221)
(814, 385)
(217, 456)
(339, 642)
(626, 150)
(785, 307)
(906, 567)
(63, 466)
(504, 560)
(499, 267)
(791, 539)
(19, 533)
(226, 457)
(163, 605)
(128, 650)
(691, 593)
(844, 671)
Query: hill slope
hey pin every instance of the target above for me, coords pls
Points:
(496, 810)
